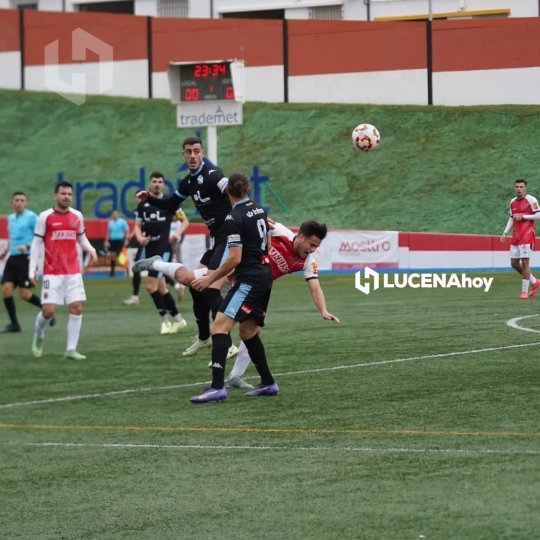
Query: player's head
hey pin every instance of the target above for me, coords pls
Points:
(520, 188)
(115, 214)
(63, 193)
(193, 152)
(18, 201)
(157, 184)
(238, 186)
(309, 237)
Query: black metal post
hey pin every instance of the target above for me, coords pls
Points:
(429, 50)
(285, 61)
(149, 55)
(21, 45)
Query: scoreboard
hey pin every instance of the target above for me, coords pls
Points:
(206, 82)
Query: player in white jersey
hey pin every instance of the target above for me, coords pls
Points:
(58, 232)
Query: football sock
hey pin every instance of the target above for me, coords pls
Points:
(166, 268)
(170, 304)
(532, 279)
(34, 300)
(73, 331)
(159, 302)
(41, 324)
(257, 353)
(524, 285)
(220, 347)
(12, 312)
(136, 284)
(242, 362)
(201, 310)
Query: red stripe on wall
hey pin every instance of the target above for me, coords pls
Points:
(9, 30)
(486, 44)
(257, 42)
(126, 34)
(320, 47)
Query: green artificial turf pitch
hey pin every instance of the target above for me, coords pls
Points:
(417, 416)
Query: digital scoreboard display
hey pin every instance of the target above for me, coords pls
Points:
(206, 82)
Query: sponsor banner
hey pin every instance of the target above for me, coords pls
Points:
(358, 249)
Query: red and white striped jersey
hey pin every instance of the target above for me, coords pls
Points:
(523, 231)
(60, 231)
(283, 258)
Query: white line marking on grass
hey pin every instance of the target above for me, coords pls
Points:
(285, 374)
(513, 323)
(277, 448)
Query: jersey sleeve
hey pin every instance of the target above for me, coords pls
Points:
(182, 190)
(138, 212)
(80, 228)
(233, 232)
(310, 268)
(219, 180)
(41, 225)
(534, 204)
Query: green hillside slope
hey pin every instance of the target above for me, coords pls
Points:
(438, 169)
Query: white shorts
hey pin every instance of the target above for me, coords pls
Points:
(523, 251)
(62, 290)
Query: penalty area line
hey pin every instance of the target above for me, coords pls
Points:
(369, 450)
(283, 374)
(513, 323)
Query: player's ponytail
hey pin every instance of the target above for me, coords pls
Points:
(238, 185)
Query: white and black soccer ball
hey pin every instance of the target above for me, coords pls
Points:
(366, 137)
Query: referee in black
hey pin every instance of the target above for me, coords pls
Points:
(21, 225)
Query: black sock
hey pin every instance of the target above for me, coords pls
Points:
(10, 306)
(257, 354)
(220, 348)
(112, 267)
(34, 300)
(157, 297)
(201, 310)
(170, 304)
(136, 283)
(214, 300)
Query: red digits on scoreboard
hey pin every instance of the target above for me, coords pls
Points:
(197, 72)
(229, 92)
(215, 69)
(191, 94)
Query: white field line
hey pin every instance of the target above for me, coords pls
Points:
(513, 323)
(284, 374)
(369, 450)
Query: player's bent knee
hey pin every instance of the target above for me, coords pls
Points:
(248, 329)
(25, 294)
(48, 310)
(76, 308)
(7, 290)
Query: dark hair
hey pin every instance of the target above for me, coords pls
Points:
(157, 175)
(520, 181)
(61, 185)
(115, 210)
(191, 140)
(313, 228)
(238, 185)
(18, 193)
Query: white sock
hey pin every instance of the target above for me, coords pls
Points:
(177, 286)
(532, 279)
(164, 318)
(74, 330)
(524, 285)
(166, 268)
(200, 272)
(41, 324)
(135, 297)
(242, 362)
(178, 318)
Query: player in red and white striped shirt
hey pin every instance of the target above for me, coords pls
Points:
(58, 232)
(524, 211)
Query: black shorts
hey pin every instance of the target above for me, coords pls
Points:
(247, 301)
(116, 246)
(151, 250)
(216, 253)
(16, 271)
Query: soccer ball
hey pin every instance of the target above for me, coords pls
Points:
(366, 137)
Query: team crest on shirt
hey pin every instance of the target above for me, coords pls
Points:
(200, 179)
(73, 223)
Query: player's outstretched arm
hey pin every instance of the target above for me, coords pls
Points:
(85, 244)
(509, 227)
(318, 298)
(165, 203)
